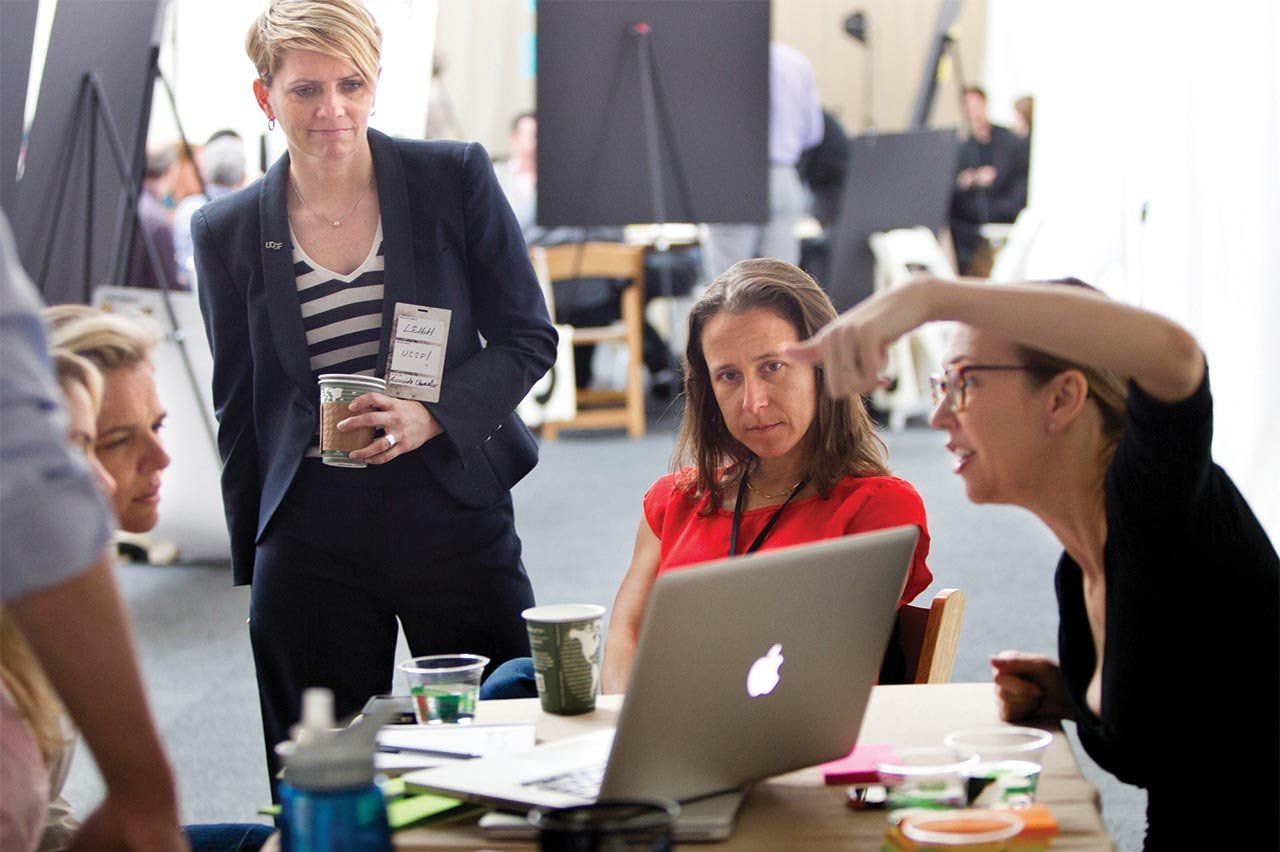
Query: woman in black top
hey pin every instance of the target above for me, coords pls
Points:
(1168, 590)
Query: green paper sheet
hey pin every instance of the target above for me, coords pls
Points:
(402, 813)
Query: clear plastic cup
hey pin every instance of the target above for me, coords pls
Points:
(1008, 764)
(925, 778)
(444, 687)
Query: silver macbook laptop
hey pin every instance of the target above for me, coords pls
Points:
(746, 668)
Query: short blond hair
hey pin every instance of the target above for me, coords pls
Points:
(56, 316)
(72, 369)
(108, 341)
(343, 29)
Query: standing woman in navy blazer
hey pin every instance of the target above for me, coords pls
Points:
(299, 274)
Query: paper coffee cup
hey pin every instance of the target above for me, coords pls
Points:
(566, 641)
(337, 392)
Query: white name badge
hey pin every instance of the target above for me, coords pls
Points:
(415, 366)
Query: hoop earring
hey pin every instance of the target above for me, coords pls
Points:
(271, 123)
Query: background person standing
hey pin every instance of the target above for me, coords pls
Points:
(991, 181)
(795, 125)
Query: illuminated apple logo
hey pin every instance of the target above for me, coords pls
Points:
(763, 676)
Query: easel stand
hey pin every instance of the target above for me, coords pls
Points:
(651, 101)
(643, 35)
(93, 111)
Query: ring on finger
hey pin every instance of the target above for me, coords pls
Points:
(391, 440)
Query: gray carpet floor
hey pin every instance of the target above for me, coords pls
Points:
(577, 515)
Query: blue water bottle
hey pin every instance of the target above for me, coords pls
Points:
(328, 800)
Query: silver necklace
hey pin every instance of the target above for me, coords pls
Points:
(337, 223)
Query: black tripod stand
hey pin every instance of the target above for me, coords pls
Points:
(93, 115)
(656, 122)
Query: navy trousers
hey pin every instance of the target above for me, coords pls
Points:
(512, 679)
(350, 551)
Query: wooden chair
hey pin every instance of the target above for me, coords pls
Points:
(606, 409)
(929, 636)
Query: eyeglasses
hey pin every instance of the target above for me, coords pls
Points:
(952, 385)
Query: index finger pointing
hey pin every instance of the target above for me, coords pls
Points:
(805, 352)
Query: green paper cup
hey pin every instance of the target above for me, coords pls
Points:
(566, 640)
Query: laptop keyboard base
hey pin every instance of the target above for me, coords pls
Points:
(584, 782)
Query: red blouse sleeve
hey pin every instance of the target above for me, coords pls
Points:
(893, 502)
(656, 501)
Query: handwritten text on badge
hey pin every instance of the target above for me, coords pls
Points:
(415, 368)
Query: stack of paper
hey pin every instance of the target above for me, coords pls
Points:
(405, 747)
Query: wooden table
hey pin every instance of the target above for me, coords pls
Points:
(796, 811)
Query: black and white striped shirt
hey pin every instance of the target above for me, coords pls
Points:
(342, 314)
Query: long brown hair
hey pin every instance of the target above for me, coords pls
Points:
(842, 435)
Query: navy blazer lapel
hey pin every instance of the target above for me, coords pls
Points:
(278, 278)
(397, 236)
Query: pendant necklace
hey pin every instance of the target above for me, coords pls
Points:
(337, 223)
(768, 527)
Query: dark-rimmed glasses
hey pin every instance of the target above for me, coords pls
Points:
(952, 385)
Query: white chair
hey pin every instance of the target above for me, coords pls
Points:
(1012, 259)
(901, 255)
(553, 397)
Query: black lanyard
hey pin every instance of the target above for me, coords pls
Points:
(768, 528)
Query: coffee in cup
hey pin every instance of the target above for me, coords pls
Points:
(337, 392)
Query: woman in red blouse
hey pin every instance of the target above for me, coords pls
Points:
(767, 460)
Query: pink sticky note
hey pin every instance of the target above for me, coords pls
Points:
(859, 765)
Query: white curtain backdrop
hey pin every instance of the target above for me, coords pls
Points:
(1156, 164)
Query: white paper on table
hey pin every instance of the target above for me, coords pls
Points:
(392, 762)
(483, 740)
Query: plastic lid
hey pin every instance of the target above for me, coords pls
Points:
(1003, 739)
(563, 612)
(321, 758)
(317, 710)
(960, 828)
(925, 763)
(352, 379)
